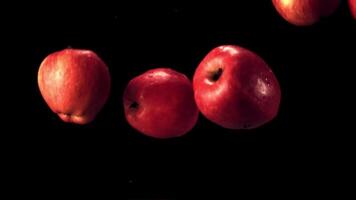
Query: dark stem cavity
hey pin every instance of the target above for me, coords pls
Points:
(216, 75)
(133, 105)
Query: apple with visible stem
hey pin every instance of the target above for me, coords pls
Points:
(352, 5)
(75, 84)
(236, 89)
(305, 12)
(160, 103)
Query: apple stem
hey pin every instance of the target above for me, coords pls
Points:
(216, 75)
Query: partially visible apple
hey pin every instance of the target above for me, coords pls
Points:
(160, 103)
(236, 89)
(75, 84)
(305, 12)
(352, 5)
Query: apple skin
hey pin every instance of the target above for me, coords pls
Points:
(160, 103)
(235, 88)
(352, 6)
(75, 84)
(305, 12)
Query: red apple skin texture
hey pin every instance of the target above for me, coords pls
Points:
(305, 12)
(75, 84)
(352, 5)
(166, 107)
(247, 94)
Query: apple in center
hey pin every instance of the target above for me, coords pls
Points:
(236, 89)
(160, 103)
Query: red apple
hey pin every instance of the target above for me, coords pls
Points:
(305, 12)
(352, 5)
(236, 89)
(160, 103)
(75, 84)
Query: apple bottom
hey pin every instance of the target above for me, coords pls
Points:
(243, 115)
(77, 119)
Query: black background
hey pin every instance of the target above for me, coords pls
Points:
(296, 152)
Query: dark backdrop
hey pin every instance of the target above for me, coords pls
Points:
(295, 152)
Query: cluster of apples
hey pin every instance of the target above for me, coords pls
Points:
(232, 86)
(308, 12)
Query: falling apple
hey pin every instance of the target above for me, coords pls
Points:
(75, 84)
(236, 89)
(305, 12)
(352, 5)
(160, 103)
